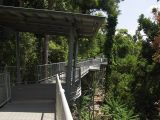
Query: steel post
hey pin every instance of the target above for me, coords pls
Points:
(18, 57)
(70, 63)
(75, 58)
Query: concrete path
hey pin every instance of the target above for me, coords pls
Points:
(28, 110)
(30, 102)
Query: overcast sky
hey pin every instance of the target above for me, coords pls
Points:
(130, 11)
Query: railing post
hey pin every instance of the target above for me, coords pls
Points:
(9, 87)
(6, 84)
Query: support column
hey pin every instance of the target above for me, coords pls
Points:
(40, 49)
(70, 63)
(18, 58)
(46, 39)
(75, 53)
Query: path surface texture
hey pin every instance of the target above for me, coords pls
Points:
(31, 102)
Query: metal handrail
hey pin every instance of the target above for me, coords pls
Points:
(48, 70)
(62, 108)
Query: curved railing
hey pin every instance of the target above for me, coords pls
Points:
(62, 108)
(47, 72)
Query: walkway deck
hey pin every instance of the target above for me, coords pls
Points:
(28, 110)
(30, 102)
(37, 101)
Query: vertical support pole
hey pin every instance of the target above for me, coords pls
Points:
(18, 57)
(75, 58)
(70, 65)
(46, 49)
(40, 49)
(6, 84)
(46, 56)
(9, 86)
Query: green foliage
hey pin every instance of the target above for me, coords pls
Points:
(145, 86)
(28, 56)
(123, 44)
(28, 49)
(125, 54)
(39, 4)
(84, 109)
(149, 28)
(123, 63)
(115, 110)
(8, 47)
(126, 65)
(147, 51)
(92, 47)
(58, 50)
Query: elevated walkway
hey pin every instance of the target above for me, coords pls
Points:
(45, 101)
(46, 22)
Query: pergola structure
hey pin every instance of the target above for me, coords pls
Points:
(71, 25)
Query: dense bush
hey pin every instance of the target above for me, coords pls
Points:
(115, 110)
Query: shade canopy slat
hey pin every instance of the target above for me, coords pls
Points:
(49, 21)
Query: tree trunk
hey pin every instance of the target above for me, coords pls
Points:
(111, 28)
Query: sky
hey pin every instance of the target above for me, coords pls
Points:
(130, 11)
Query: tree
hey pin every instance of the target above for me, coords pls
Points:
(125, 53)
(146, 83)
(150, 29)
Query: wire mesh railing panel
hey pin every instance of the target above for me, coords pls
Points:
(46, 74)
(76, 85)
(47, 71)
(85, 65)
(27, 74)
(5, 93)
(2, 69)
(13, 73)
